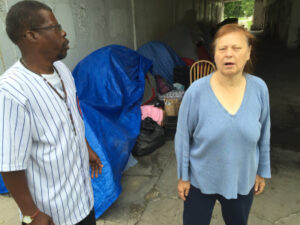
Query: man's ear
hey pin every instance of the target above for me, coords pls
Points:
(31, 36)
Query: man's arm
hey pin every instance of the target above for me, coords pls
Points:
(17, 185)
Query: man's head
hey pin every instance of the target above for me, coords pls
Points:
(33, 27)
(22, 16)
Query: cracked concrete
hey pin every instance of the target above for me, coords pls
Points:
(149, 194)
(159, 204)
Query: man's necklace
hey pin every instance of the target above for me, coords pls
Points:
(64, 98)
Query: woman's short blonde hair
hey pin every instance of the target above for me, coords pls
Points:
(230, 28)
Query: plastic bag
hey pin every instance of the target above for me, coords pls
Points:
(151, 137)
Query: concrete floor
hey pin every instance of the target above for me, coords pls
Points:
(150, 197)
(149, 194)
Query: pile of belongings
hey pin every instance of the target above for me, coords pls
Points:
(163, 57)
(191, 40)
(156, 108)
(152, 134)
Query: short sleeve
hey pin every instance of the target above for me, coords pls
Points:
(15, 134)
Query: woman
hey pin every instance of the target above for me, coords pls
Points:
(223, 135)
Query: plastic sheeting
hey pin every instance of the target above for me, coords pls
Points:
(110, 85)
(2, 186)
(164, 59)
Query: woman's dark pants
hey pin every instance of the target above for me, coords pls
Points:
(198, 208)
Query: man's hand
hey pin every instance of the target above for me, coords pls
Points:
(42, 219)
(259, 185)
(183, 189)
(95, 162)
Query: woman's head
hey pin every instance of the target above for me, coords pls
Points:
(232, 47)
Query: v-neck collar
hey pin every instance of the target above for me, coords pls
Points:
(219, 104)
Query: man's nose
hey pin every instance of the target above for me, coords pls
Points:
(63, 33)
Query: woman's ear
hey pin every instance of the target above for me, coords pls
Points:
(249, 52)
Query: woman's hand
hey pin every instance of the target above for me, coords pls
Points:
(259, 185)
(183, 189)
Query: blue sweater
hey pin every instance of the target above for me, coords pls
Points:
(220, 153)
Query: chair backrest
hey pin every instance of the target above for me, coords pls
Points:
(200, 69)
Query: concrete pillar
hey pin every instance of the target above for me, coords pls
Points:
(258, 16)
(293, 40)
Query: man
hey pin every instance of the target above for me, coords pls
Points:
(44, 157)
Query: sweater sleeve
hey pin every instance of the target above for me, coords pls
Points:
(183, 136)
(264, 168)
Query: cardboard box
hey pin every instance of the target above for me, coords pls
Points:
(172, 101)
(172, 106)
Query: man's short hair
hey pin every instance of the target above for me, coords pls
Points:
(24, 15)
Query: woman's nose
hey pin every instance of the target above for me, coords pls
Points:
(228, 52)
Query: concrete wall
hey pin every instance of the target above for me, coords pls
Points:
(92, 24)
(153, 18)
(8, 51)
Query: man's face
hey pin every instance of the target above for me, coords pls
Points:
(52, 43)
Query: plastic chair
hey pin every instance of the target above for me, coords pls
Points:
(200, 69)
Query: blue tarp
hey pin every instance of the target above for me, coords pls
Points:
(164, 59)
(110, 85)
(2, 186)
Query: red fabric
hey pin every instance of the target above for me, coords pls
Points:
(153, 92)
(203, 54)
(188, 61)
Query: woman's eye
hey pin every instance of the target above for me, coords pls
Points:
(237, 48)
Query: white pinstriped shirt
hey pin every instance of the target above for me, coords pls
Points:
(36, 135)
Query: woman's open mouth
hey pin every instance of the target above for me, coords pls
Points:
(229, 64)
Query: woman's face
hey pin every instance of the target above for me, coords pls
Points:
(232, 53)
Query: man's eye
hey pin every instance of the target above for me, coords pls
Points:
(237, 48)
